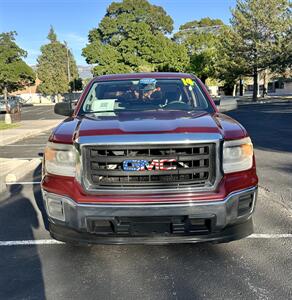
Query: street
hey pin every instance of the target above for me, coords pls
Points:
(258, 267)
(40, 112)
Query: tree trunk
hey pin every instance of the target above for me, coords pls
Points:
(7, 114)
(5, 93)
(255, 85)
(240, 87)
(234, 90)
(203, 79)
(266, 82)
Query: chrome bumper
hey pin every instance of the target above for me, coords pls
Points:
(75, 215)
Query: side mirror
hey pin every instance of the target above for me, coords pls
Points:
(63, 108)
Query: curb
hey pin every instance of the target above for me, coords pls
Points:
(19, 172)
(37, 104)
(240, 102)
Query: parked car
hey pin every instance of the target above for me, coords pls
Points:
(147, 158)
(13, 104)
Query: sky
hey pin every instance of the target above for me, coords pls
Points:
(72, 19)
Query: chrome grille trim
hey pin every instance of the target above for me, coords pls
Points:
(149, 139)
(104, 165)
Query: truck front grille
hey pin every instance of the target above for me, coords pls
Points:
(181, 165)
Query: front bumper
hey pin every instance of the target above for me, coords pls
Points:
(230, 219)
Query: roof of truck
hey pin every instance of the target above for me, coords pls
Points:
(162, 75)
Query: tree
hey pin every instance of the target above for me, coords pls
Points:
(131, 37)
(201, 39)
(259, 38)
(14, 72)
(76, 85)
(56, 67)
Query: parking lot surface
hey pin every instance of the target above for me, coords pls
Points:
(259, 267)
(39, 112)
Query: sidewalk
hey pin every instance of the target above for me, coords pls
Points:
(26, 129)
(11, 170)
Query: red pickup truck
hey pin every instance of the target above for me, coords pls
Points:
(147, 158)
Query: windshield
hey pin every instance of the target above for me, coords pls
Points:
(145, 94)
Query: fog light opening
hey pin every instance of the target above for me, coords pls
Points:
(246, 204)
(56, 209)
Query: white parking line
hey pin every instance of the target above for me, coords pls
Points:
(26, 145)
(23, 182)
(270, 236)
(55, 242)
(21, 158)
(29, 243)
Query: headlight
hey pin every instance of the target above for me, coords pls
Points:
(237, 155)
(60, 159)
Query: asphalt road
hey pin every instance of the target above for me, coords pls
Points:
(253, 268)
(39, 112)
(27, 149)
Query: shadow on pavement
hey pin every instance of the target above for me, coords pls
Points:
(38, 196)
(21, 268)
(269, 125)
(286, 168)
(226, 271)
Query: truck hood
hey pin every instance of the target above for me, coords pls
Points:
(148, 122)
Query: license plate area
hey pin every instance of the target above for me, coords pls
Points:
(145, 226)
(150, 228)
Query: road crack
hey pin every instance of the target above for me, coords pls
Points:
(267, 193)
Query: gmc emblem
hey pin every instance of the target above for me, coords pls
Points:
(143, 165)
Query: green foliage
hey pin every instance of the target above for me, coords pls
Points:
(228, 69)
(204, 22)
(86, 81)
(76, 84)
(52, 68)
(200, 37)
(131, 37)
(14, 72)
(52, 37)
(259, 38)
(4, 126)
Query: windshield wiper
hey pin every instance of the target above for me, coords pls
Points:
(97, 112)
